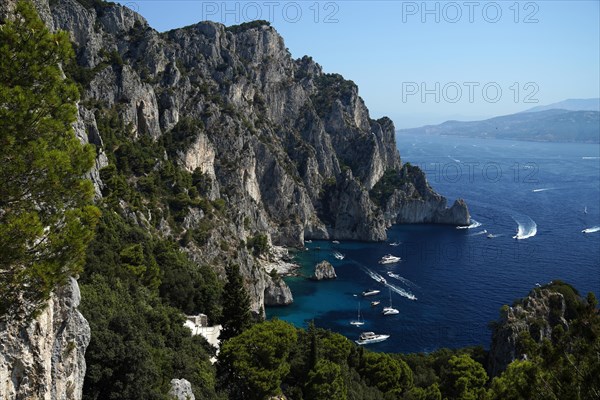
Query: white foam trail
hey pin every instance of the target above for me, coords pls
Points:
(402, 292)
(374, 275)
(403, 280)
(542, 190)
(378, 278)
(483, 232)
(591, 230)
(526, 228)
(474, 224)
(494, 236)
(590, 158)
(454, 159)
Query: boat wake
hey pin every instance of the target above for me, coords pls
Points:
(483, 232)
(454, 159)
(526, 229)
(403, 280)
(375, 276)
(591, 230)
(402, 292)
(542, 190)
(378, 278)
(474, 224)
(590, 158)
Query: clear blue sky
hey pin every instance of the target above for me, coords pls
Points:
(394, 50)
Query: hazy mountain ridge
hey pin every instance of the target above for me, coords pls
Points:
(571, 105)
(554, 125)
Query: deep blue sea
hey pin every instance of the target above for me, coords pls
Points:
(452, 282)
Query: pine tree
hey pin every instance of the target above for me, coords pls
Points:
(236, 305)
(46, 216)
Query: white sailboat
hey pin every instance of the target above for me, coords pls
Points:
(390, 310)
(358, 321)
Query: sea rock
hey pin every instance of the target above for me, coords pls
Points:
(181, 389)
(537, 314)
(45, 359)
(278, 293)
(324, 270)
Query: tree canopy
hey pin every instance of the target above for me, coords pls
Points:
(46, 216)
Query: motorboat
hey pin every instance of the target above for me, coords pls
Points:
(335, 242)
(371, 337)
(490, 236)
(338, 255)
(389, 259)
(375, 303)
(395, 244)
(370, 292)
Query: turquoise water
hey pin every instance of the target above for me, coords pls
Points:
(452, 282)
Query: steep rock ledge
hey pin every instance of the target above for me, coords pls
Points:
(45, 359)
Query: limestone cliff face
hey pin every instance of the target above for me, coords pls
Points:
(45, 359)
(537, 314)
(291, 151)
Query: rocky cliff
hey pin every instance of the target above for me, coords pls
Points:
(45, 359)
(536, 315)
(283, 149)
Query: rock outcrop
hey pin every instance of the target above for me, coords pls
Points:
(415, 202)
(181, 389)
(277, 293)
(45, 359)
(324, 270)
(538, 313)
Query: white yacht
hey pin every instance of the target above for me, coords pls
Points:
(371, 337)
(335, 242)
(370, 292)
(338, 255)
(390, 310)
(389, 259)
(395, 244)
(375, 303)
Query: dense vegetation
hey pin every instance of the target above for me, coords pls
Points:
(385, 187)
(46, 216)
(273, 357)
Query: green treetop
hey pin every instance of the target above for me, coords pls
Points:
(46, 217)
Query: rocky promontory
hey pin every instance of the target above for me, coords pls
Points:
(536, 315)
